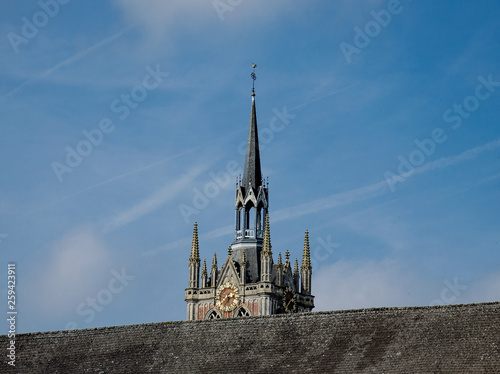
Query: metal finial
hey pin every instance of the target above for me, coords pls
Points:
(254, 77)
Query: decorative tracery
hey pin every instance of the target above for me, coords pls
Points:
(213, 314)
(242, 312)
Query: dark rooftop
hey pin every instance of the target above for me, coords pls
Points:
(438, 339)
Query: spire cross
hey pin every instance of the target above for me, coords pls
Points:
(254, 77)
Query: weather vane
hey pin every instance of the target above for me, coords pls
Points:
(254, 77)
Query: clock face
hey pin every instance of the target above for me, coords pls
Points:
(289, 300)
(227, 297)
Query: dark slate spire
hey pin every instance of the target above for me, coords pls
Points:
(252, 174)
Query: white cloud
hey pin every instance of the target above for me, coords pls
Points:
(355, 284)
(159, 16)
(485, 289)
(379, 223)
(78, 263)
(358, 284)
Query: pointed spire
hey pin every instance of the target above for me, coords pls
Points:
(252, 174)
(230, 252)
(204, 274)
(204, 269)
(214, 262)
(213, 272)
(195, 250)
(287, 255)
(266, 247)
(194, 261)
(296, 275)
(243, 267)
(266, 256)
(279, 271)
(306, 259)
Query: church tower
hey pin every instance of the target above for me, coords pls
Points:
(249, 283)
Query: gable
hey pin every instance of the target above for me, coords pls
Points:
(288, 276)
(250, 197)
(228, 273)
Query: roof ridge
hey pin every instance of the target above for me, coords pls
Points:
(41, 334)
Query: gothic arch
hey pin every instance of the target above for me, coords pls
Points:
(213, 314)
(250, 198)
(242, 312)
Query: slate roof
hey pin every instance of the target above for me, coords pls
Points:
(252, 173)
(438, 339)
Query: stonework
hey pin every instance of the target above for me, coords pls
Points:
(249, 283)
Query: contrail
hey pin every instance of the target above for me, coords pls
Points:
(120, 176)
(68, 61)
(322, 97)
(342, 198)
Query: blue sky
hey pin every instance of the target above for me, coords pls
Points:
(123, 122)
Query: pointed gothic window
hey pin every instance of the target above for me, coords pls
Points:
(213, 315)
(249, 221)
(238, 218)
(260, 220)
(250, 217)
(242, 312)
